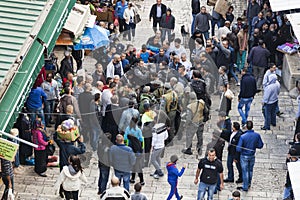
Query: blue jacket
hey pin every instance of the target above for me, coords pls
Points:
(120, 9)
(249, 142)
(34, 99)
(248, 86)
(122, 157)
(173, 172)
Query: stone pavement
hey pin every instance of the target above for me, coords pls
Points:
(269, 170)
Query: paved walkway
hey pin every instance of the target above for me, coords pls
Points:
(269, 170)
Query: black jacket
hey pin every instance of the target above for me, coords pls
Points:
(154, 9)
(170, 24)
(66, 67)
(248, 86)
(195, 6)
(232, 145)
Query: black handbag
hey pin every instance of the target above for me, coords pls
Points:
(137, 18)
(50, 149)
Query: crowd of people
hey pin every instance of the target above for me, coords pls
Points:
(137, 102)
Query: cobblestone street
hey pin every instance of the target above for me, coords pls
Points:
(269, 170)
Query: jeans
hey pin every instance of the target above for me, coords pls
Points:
(164, 32)
(230, 159)
(48, 109)
(130, 30)
(193, 22)
(202, 190)
(247, 103)
(94, 137)
(247, 163)
(287, 192)
(173, 190)
(206, 35)
(103, 178)
(125, 176)
(258, 73)
(36, 111)
(190, 132)
(241, 59)
(270, 114)
(213, 23)
(233, 73)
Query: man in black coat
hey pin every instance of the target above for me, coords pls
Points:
(157, 11)
(233, 155)
(66, 65)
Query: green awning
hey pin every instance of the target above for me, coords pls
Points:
(27, 29)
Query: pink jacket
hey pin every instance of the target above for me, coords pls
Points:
(37, 138)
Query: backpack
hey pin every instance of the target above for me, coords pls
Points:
(135, 144)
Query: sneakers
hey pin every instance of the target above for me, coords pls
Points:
(152, 174)
(142, 183)
(264, 128)
(187, 151)
(42, 174)
(241, 188)
(156, 176)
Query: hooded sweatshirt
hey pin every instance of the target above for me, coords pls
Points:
(272, 90)
(70, 179)
(173, 172)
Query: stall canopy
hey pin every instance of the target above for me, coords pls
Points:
(279, 5)
(28, 30)
(295, 22)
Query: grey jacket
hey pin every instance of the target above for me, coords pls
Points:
(202, 22)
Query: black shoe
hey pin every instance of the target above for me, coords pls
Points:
(132, 181)
(187, 151)
(258, 91)
(51, 122)
(61, 194)
(228, 181)
(264, 128)
(279, 113)
(142, 183)
(241, 188)
(291, 143)
(273, 125)
(181, 197)
(239, 181)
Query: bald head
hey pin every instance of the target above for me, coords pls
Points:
(115, 181)
(119, 139)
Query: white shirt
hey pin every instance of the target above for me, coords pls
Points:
(158, 140)
(232, 135)
(158, 11)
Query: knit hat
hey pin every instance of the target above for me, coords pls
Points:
(174, 158)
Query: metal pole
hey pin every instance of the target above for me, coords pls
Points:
(19, 139)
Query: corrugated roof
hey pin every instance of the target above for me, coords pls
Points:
(17, 19)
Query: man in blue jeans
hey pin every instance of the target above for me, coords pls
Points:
(246, 95)
(210, 168)
(248, 143)
(122, 158)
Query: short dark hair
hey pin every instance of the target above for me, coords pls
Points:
(67, 90)
(271, 65)
(236, 125)
(112, 85)
(249, 125)
(138, 187)
(197, 74)
(236, 194)
(177, 40)
(97, 96)
(298, 136)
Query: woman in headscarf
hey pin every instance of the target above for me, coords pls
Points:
(39, 138)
